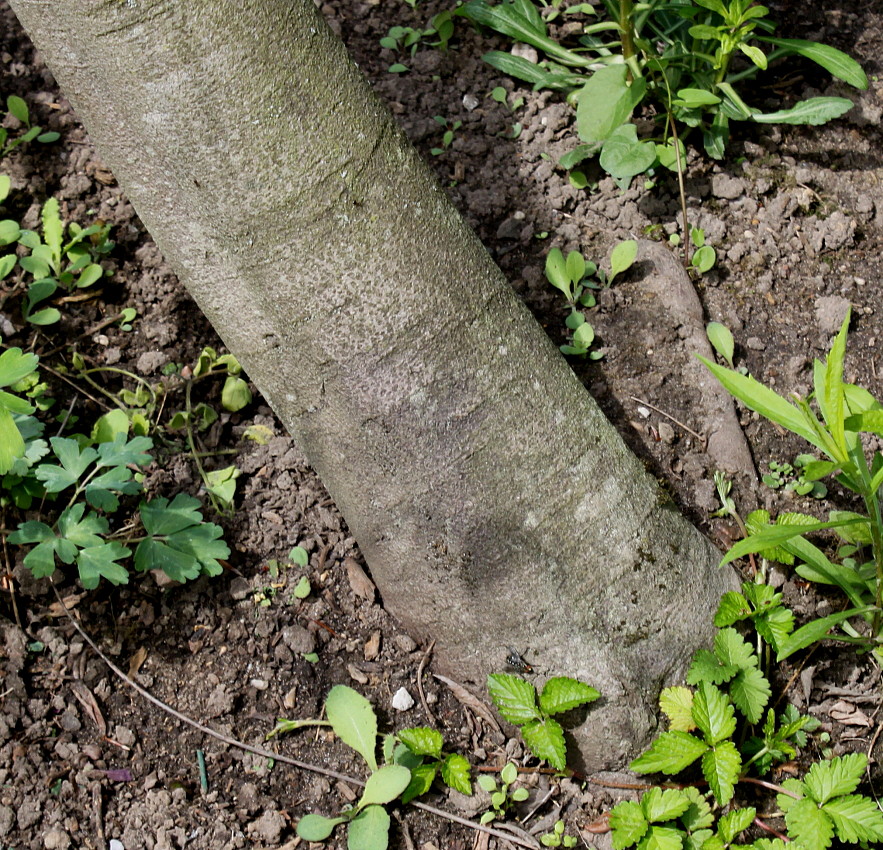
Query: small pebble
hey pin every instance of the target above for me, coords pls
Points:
(405, 643)
(259, 684)
(402, 700)
(470, 102)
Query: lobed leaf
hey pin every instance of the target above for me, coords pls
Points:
(97, 562)
(561, 693)
(670, 753)
(733, 650)
(545, 739)
(698, 815)
(841, 775)
(814, 111)
(514, 697)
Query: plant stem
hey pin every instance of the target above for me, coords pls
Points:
(625, 24)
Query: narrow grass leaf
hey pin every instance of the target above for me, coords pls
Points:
(831, 59)
(815, 631)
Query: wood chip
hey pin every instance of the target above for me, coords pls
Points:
(359, 582)
(71, 601)
(472, 702)
(86, 698)
(372, 646)
(136, 661)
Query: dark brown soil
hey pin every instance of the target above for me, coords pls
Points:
(796, 216)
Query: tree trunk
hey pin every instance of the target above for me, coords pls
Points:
(494, 503)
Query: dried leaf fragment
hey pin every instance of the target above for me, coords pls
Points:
(361, 585)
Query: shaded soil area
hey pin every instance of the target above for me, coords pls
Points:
(796, 216)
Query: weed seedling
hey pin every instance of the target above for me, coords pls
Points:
(17, 108)
(450, 128)
(791, 478)
(557, 838)
(503, 796)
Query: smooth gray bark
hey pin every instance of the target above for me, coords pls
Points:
(494, 503)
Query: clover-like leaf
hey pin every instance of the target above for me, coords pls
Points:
(97, 562)
(74, 462)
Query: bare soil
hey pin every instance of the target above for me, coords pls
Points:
(796, 215)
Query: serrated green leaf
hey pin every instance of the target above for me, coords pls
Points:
(369, 830)
(628, 824)
(696, 840)
(384, 784)
(809, 825)
(713, 713)
(706, 667)
(663, 838)
(734, 822)
(670, 753)
(561, 693)
(545, 739)
(713, 842)
(732, 608)
(97, 562)
(515, 698)
(775, 626)
(316, 827)
(856, 819)
(720, 767)
(353, 720)
(659, 806)
(750, 691)
(698, 815)
(456, 773)
(422, 777)
(677, 704)
(422, 740)
(834, 778)
(733, 650)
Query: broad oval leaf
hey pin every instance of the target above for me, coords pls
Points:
(385, 784)
(622, 257)
(316, 827)
(353, 721)
(369, 830)
(606, 102)
(623, 156)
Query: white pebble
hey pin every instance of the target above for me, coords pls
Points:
(402, 700)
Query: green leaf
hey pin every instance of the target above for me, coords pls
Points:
(815, 631)
(622, 257)
(369, 830)
(556, 273)
(721, 340)
(815, 111)
(677, 704)
(704, 259)
(422, 777)
(385, 784)
(755, 54)
(663, 838)
(734, 822)
(809, 825)
(713, 713)
(628, 824)
(12, 444)
(74, 463)
(775, 626)
(832, 60)
(856, 819)
(298, 555)
(605, 103)
(456, 773)
(733, 650)
(750, 691)
(514, 697)
(720, 767)
(235, 394)
(221, 483)
(659, 805)
(120, 452)
(545, 739)
(101, 491)
(53, 230)
(353, 721)
(15, 365)
(561, 693)
(161, 517)
(316, 827)
(18, 108)
(732, 608)
(575, 266)
(91, 274)
(422, 740)
(699, 815)
(693, 98)
(832, 401)
(763, 400)
(670, 753)
(110, 425)
(841, 775)
(623, 156)
(97, 562)
(707, 667)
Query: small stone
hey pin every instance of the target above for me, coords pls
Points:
(470, 102)
(405, 643)
(150, 362)
(259, 684)
(666, 433)
(268, 827)
(755, 343)
(56, 839)
(402, 700)
(356, 674)
(360, 584)
(830, 312)
(239, 588)
(289, 701)
(525, 52)
(372, 646)
(727, 187)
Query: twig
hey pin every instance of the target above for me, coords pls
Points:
(420, 670)
(668, 416)
(78, 388)
(99, 815)
(259, 751)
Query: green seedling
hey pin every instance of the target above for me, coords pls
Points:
(53, 263)
(17, 108)
(705, 727)
(500, 95)
(518, 702)
(503, 796)
(704, 256)
(557, 837)
(790, 478)
(353, 720)
(576, 278)
(842, 413)
(450, 128)
(407, 40)
(721, 340)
